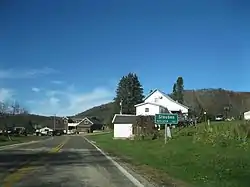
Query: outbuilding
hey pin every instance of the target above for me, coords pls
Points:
(247, 115)
(123, 126)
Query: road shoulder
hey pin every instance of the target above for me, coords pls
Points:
(125, 168)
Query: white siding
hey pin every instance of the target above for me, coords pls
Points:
(163, 110)
(247, 115)
(152, 110)
(123, 130)
(160, 99)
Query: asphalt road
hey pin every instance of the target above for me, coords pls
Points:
(65, 161)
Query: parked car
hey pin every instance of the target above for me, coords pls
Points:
(58, 132)
(219, 117)
(44, 132)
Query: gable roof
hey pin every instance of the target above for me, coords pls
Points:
(165, 95)
(124, 119)
(86, 118)
(156, 104)
(93, 120)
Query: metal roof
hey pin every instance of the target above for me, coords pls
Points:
(124, 119)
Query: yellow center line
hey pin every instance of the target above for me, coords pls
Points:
(55, 149)
(17, 175)
(59, 147)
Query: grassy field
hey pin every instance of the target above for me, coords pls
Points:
(5, 141)
(214, 156)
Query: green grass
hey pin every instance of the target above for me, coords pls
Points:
(5, 141)
(196, 163)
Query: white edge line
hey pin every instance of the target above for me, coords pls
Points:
(124, 171)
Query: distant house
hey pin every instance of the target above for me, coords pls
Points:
(55, 123)
(123, 125)
(72, 125)
(159, 102)
(87, 124)
(247, 115)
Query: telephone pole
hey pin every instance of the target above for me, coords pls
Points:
(121, 106)
(54, 122)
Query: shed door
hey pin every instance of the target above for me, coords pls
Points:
(123, 130)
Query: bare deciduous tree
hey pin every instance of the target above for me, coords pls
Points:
(7, 110)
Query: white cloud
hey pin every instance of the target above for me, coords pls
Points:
(69, 101)
(5, 94)
(24, 73)
(35, 89)
(53, 101)
(57, 82)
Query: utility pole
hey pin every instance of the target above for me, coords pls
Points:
(54, 122)
(121, 106)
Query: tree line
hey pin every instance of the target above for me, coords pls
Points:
(7, 109)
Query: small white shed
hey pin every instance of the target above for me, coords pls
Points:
(123, 126)
(247, 115)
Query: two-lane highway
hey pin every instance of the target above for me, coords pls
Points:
(63, 161)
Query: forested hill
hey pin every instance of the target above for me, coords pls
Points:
(22, 120)
(215, 100)
(211, 100)
(103, 112)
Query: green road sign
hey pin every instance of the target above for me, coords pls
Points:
(166, 118)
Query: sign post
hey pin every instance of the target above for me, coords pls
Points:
(166, 119)
(165, 134)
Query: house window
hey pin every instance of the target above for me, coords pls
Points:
(163, 110)
(156, 100)
(146, 109)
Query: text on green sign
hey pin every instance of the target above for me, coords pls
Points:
(166, 117)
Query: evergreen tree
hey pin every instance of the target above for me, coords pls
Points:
(174, 92)
(179, 90)
(129, 92)
(29, 127)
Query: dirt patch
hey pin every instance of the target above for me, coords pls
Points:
(147, 174)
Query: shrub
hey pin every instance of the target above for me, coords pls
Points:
(223, 134)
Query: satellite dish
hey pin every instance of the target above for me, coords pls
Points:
(160, 97)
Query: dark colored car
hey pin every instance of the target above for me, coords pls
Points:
(57, 133)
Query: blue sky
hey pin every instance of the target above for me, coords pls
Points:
(65, 56)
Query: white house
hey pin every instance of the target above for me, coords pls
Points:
(247, 115)
(159, 102)
(150, 109)
(123, 126)
(72, 127)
